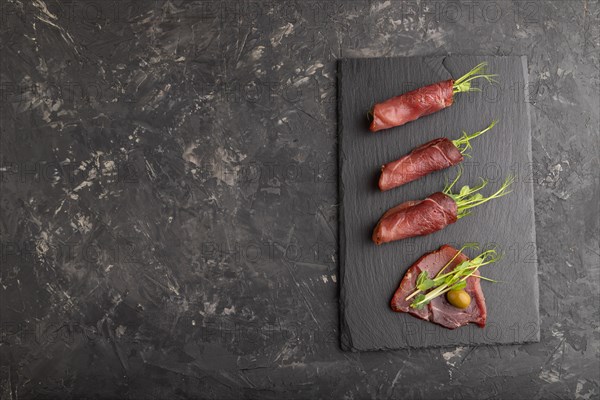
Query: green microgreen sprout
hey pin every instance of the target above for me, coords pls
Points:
(463, 84)
(464, 142)
(468, 197)
(453, 280)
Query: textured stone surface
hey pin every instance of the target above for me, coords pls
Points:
(370, 274)
(169, 198)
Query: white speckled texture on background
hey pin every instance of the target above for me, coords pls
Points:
(169, 189)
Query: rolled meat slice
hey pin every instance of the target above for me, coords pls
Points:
(426, 100)
(411, 105)
(419, 218)
(439, 310)
(416, 218)
(432, 156)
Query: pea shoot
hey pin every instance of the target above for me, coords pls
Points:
(428, 288)
(468, 197)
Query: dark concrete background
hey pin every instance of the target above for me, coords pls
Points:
(169, 195)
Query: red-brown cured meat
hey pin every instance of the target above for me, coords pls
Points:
(439, 310)
(416, 218)
(432, 156)
(412, 105)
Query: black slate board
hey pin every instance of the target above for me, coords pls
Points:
(370, 273)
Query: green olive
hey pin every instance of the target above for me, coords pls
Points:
(458, 298)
